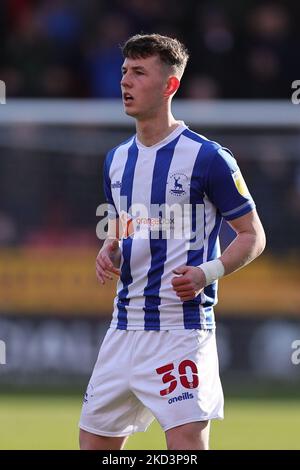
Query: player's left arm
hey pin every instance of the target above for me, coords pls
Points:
(248, 244)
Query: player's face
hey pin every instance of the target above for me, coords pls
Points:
(143, 85)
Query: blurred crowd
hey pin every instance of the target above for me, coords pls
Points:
(70, 48)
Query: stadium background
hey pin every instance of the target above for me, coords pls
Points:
(60, 62)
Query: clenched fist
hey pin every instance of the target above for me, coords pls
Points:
(190, 282)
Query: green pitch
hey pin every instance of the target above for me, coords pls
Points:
(50, 422)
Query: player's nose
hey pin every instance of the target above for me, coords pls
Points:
(125, 82)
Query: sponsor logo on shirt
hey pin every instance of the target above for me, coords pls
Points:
(132, 226)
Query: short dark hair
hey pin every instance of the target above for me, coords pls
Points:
(171, 51)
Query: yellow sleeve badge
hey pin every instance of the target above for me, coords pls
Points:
(240, 183)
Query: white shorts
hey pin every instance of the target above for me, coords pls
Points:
(170, 375)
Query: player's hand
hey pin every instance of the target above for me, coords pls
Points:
(190, 282)
(108, 260)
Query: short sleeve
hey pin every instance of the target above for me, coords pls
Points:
(226, 187)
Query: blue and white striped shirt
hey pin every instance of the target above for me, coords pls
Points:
(187, 172)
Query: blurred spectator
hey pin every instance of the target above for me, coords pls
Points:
(213, 49)
(201, 87)
(27, 54)
(60, 21)
(57, 81)
(104, 59)
(269, 53)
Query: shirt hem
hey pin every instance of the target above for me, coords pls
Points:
(165, 327)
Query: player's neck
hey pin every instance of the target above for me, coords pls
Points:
(152, 131)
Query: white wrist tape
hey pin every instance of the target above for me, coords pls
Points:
(213, 270)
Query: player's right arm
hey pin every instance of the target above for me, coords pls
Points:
(109, 256)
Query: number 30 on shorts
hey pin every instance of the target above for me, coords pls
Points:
(182, 370)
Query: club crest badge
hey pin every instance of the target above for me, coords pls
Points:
(178, 184)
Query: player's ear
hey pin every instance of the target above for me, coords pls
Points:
(172, 86)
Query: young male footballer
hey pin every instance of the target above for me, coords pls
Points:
(168, 189)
